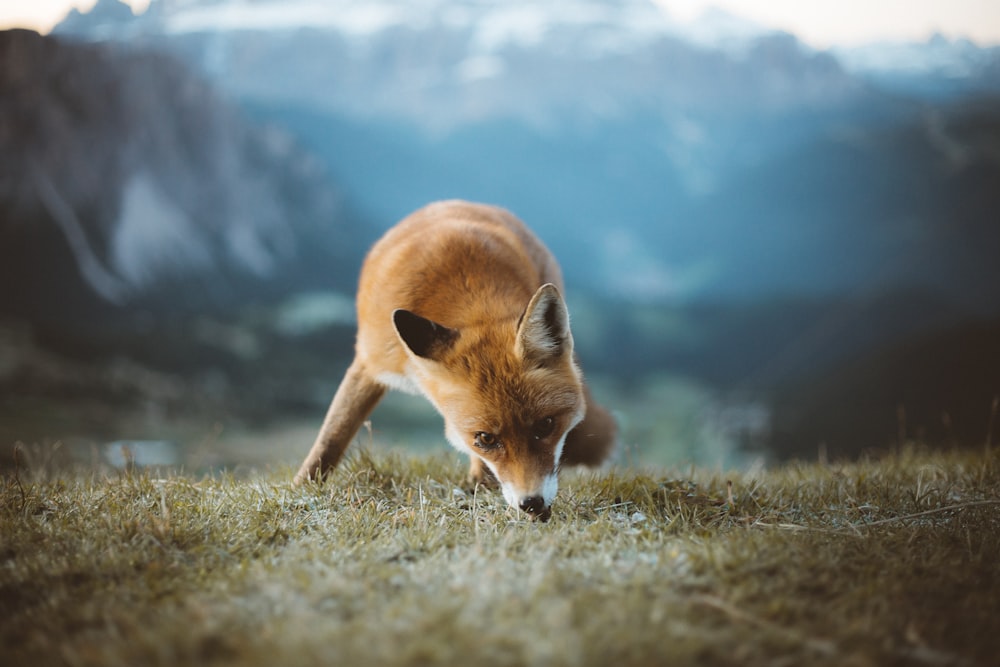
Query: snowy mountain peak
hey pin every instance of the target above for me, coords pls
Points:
(499, 22)
(446, 63)
(952, 57)
(718, 29)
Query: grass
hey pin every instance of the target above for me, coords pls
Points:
(394, 561)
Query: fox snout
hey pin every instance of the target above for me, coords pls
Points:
(535, 503)
(536, 507)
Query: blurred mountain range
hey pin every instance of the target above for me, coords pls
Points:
(726, 201)
(714, 160)
(127, 180)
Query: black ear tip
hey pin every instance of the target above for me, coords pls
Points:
(424, 337)
(407, 322)
(402, 316)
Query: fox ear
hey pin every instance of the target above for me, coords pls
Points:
(425, 338)
(543, 331)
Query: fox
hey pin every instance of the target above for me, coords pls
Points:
(461, 303)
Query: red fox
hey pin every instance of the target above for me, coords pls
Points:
(461, 303)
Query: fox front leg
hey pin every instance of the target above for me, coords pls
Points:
(354, 401)
(480, 474)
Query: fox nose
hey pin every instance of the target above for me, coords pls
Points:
(535, 506)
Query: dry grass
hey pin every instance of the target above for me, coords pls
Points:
(394, 562)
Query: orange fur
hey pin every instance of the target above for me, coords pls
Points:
(461, 303)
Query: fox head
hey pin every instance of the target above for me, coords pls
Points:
(509, 392)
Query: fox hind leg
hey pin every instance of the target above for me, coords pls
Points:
(592, 441)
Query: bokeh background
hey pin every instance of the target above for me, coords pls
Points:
(778, 242)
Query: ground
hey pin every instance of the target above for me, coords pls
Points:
(394, 560)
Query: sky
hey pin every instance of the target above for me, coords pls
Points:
(820, 23)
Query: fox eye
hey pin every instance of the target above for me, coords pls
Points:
(487, 441)
(543, 428)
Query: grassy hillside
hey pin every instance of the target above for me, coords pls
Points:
(395, 561)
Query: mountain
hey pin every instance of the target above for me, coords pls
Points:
(715, 159)
(440, 64)
(709, 162)
(727, 203)
(939, 68)
(128, 181)
(940, 389)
